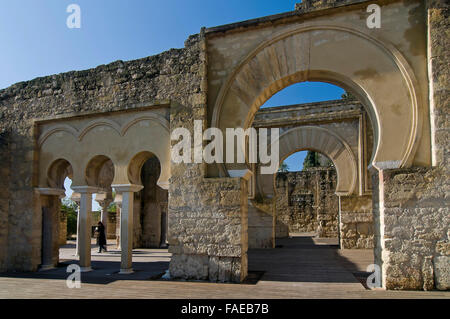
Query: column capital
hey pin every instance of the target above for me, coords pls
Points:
(76, 197)
(51, 191)
(103, 199)
(85, 189)
(120, 188)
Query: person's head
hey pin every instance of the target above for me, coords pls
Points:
(100, 223)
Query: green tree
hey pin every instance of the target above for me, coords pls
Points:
(283, 168)
(311, 160)
(70, 207)
(112, 206)
(348, 96)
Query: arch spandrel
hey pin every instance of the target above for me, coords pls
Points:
(374, 71)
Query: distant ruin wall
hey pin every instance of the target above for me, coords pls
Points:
(62, 228)
(356, 222)
(306, 201)
(4, 198)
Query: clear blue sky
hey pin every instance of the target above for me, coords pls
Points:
(304, 92)
(37, 42)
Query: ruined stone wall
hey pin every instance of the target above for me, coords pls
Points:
(209, 242)
(4, 197)
(439, 75)
(62, 228)
(111, 229)
(260, 227)
(356, 222)
(311, 5)
(306, 201)
(410, 205)
(173, 75)
(414, 221)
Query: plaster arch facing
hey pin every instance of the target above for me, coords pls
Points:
(81, 141)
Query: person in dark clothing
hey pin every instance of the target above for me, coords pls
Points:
(101, 237)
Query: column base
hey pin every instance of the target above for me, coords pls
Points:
(85, 269)
(126, 271)
(46, 267)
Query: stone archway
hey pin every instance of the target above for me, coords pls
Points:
(89, 143)
(373, 70)
(296, 139)
(328, 143)
(49, 202)
(151, 203)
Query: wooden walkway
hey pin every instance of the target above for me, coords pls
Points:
(301, 268)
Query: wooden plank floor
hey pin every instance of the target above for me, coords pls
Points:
(302, 268)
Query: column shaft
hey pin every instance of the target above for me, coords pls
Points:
(47, 236)
(84, 242)
(77, 246)
(126, 232)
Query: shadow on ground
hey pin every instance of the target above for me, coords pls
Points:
(103, 272)
(305, 259)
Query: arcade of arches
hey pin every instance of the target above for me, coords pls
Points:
(108, 129)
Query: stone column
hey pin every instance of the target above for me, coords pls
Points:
(50, 226)
(76, 197)
(84, 241)
(118, 201)
(126, 225)
(104, 200)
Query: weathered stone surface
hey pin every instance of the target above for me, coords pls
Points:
(4, 199)
(414, 219)
(62, 228)
(260, 228)
(356, 222)
(208, 216)
(312, 5)
(442, 272)
(217, 232)
(439, 74)
(174, 75)
(306, 201)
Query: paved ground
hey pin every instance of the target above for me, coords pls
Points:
(302, 267)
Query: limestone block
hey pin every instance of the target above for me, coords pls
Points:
(225, 266)
(213, 268)
(442, 272)
(189, 267)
